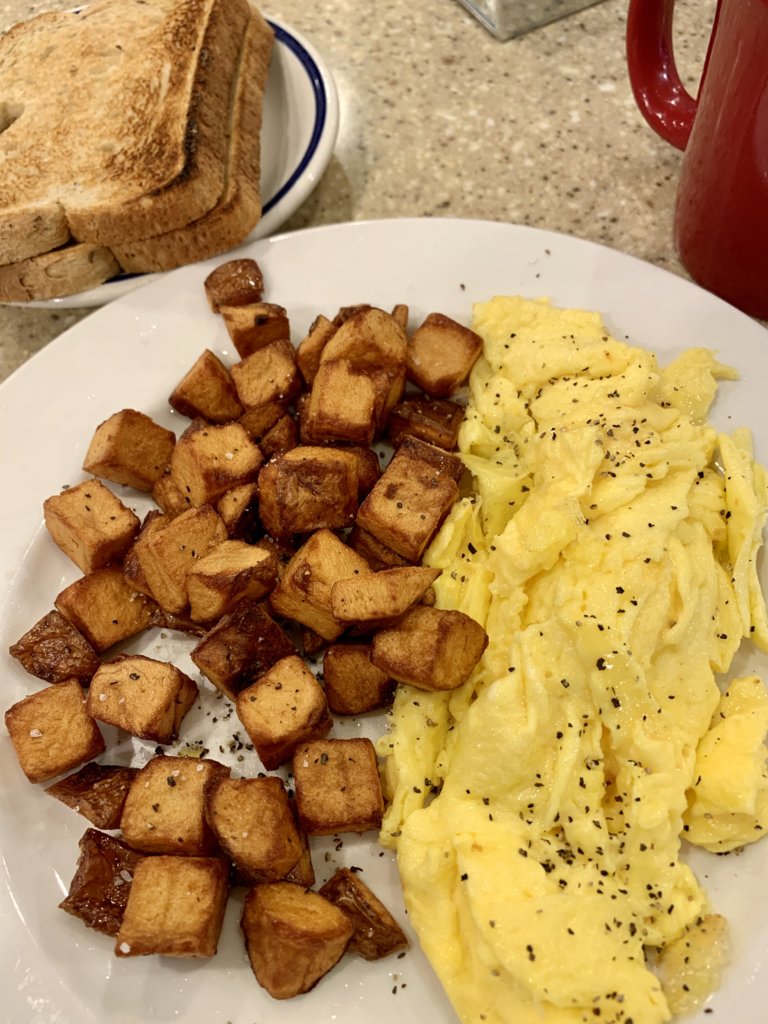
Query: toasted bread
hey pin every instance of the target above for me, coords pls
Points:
(143, 147)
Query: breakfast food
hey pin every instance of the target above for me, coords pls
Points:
(609, 550)
(245, 546)
(156, 162)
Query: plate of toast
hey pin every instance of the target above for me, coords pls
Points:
(206, 124)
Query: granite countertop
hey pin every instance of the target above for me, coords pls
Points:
(439, 118)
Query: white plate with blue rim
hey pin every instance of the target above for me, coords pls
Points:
(300, 122)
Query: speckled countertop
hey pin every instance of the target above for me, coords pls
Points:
(439, 118)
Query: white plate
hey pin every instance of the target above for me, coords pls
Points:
(299, 127)
(132, 353)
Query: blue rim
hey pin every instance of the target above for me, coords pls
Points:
(321, 106)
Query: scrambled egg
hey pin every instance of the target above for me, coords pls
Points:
(609, 549)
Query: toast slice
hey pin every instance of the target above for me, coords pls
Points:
(72, 268)
(239, 207)
(142, 147)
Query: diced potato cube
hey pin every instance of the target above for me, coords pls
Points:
(337, 786)
(261, 418)
(52, 732)
(105, 607)
(102, 881)
(411, 498)
(165, 556)
(368, 337)
(175, 907)
(400, 314)
(441, 353)
(255, 325)
(165, 808)
(268, 375)
(377, 933)
(242, 645)
(234, 283)
(167, 496)
(368, 468)
(142, 696)
(311, 347)
(382, 595)
(353, 684)
(284, 707)
(255, 825)
(378, 555)
(346, 402)
(302, 873)
(303, 593)
(239, 511)
(308, 488)
(97, 791)
(90, 524)
(54, 650)
(210, 459)
(293, 937)
(430, 648)
(130, 448)
(232, 571)
(434, 420)
(280, 438)
(207, 391)
(138, 554)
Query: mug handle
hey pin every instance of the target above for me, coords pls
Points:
(660, 94)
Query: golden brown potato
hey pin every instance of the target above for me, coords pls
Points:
(141, 696)
(90, 524)
(346, 402)
(105, 607)
(255, 325)
(211, 459)
(433, 420)
(308, 488)
(303, 593)
(175, 907)
(130, 448)
(430, 648)
(239, 511)
(165, 808)
(378, 596)
(293, 937)
(284, 707)
(207, 391)
(99, 889)
(268, 375)
(353, 684)
(234, 283)
(377, 933)
(337, 786)
(97, 791)
(441, 353)
(311, 347)
(231, 572)
(55, 651)
(254, 824)
(242, 645)
(52, 732)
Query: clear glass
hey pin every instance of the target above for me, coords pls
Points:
(508, 18)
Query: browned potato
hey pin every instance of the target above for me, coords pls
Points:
(377, 933)
(165, 808)
(304, 590)
(239, 511)
(441, 353)
(97, 791)
(99, 890)
(311, 347)
(346, 402)
(52, 732)
(268, 375)
(142, 696)
(234, 283)
(434, 420)
(90, 524)
(280, 438)
(207, 391)
(55, 651)
(430, 648)
(293, 937)
(242, 645)
(308, 488)
(105, 608)
(353, 684)
(211, 459)
(378, 555)
(130, 448)
(232, 571)
(255, 826)
(378, 596)
(175, 907)
(255, 325)
(284, 707)
(337, 786)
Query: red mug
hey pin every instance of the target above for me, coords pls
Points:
(721, 211)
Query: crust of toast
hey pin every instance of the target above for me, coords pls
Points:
(141, 149)
(239, 207)
(64, 271)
